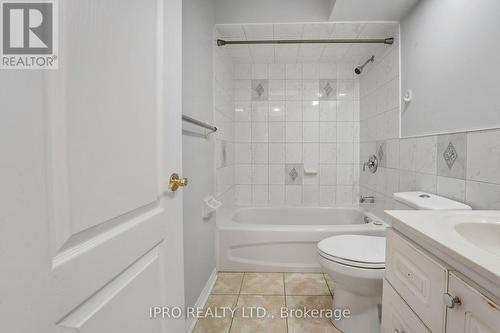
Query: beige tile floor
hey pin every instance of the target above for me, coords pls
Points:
(271, 291)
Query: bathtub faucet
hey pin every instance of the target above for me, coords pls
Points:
(369, 199)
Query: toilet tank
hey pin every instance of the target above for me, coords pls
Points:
(428, 201)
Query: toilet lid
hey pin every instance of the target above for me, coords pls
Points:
(355, 248)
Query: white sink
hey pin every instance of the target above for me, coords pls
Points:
(486, 236)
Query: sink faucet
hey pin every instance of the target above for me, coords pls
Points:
(368, 199)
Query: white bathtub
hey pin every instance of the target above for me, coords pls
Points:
(284, 239)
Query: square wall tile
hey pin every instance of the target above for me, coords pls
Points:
(260, 174)
(483, 156)
(392, 153)
(260, 90)
(344, 195)
(426, 155)
(242, 111)
(293, 90)
(310, 156)
(259, 71)
(328, 174)
(276, 90)
(277, 71)
(243, 153)
(243, 175)
(310, 132)
(347, 90)
(310, 111)
(242, 90)
(452, 155)
(328, 110)
(293, 195)
(327, 195)
(260, 132)
(260, 153)
(293, 111)
(293, 153)
(310, 71)
(293, 132)
(426, 182)
(277, 132)
(260, 111)
(328, 131)
(451, 188)
(277, 174)
(327, 89)
(310, 195)
(276, 111)
(277, 153)
(345, 111)
(481, 195)
(310, 90)
(294, 174)
(327, 71)
(293, 71)
(260, 195)
(276, 195)
(328, 153)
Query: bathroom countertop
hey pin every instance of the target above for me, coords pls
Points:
(435, 231)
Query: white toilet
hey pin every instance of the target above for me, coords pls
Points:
(356, 264)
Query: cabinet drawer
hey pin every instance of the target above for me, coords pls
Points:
(417, 278)
(397, 315)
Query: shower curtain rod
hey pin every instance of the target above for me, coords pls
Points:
(388, 41)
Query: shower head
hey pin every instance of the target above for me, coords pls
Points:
(358, 70)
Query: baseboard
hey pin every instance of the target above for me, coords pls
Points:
(202, 299)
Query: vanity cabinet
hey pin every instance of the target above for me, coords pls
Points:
(423, 295)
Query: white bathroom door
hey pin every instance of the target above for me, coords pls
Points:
(90, 236)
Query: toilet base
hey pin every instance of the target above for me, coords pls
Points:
(364, 312)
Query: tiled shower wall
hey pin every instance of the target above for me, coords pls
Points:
(461, 166)
(296, 134)
(224, 121)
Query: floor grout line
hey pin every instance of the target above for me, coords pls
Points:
(284, 296)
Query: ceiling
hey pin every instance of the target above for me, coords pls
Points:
(291, 53)
(371, 10)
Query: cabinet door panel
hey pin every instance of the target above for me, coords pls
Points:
(475, 314)
(418, 278)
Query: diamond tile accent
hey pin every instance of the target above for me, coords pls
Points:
(294, 174)
(450, 155)
(328, 89)
(380, 152)
(259, 89)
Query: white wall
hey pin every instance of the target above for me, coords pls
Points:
(450, 51)
(198, 151)
(276, 11)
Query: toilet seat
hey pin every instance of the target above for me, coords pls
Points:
(359, 251)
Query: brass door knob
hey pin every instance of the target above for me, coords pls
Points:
(175, 182)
